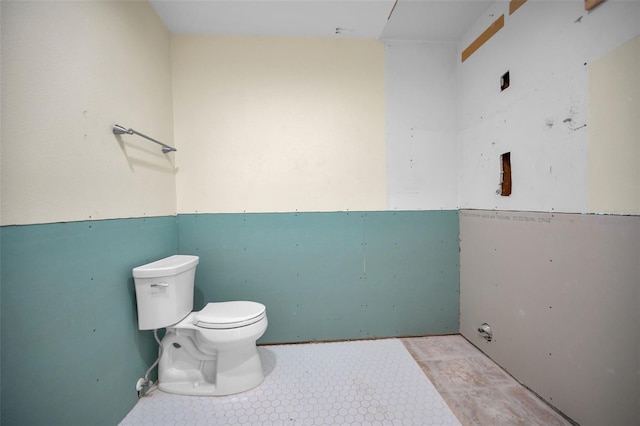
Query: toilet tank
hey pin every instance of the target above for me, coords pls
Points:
(164, 291)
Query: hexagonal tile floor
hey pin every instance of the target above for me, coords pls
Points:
(371, 382)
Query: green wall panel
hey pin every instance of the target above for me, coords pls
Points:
(331, 276)
(71, 350)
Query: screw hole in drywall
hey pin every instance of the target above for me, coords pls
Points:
(505, 180)
(504, 81)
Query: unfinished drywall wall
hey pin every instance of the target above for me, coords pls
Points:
(331, 275)
(88, 353)
(614, 131)
(70, 70)
(422, 149)
(541, 118)
(561, 293)
(276, 124)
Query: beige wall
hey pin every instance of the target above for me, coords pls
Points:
(268, 124)
(614, 131)
(70, 70)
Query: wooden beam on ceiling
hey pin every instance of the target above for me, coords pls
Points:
(482, 38)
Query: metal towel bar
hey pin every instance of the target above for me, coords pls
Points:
(119, 130)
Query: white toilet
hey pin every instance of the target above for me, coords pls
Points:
(211, 352)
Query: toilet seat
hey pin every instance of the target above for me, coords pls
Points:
(225, 315)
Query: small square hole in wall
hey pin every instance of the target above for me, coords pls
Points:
(504, 81)
(505, 181)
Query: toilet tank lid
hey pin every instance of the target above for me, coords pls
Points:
(168, 266)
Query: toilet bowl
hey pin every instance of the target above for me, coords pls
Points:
(211, 352)
(213, 358)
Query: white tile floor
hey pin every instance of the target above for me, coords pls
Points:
(374, 382)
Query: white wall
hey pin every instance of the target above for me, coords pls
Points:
(268, 124)
(422, 148)
(541, 118)
(70, 70)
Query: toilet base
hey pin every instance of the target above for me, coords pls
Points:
(216, 370)
(237, 372)
(202, 389)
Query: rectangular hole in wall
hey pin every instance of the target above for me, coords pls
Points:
(505, 183)
(504, 81)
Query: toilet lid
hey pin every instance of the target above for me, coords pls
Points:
(234, 314)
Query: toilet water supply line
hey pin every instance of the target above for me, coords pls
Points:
(146, 383)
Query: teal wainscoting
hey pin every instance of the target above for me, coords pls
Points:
(71, 350)
(331, 276)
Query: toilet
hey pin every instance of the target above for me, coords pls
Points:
(211, 352)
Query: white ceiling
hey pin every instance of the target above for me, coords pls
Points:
(428, 20)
